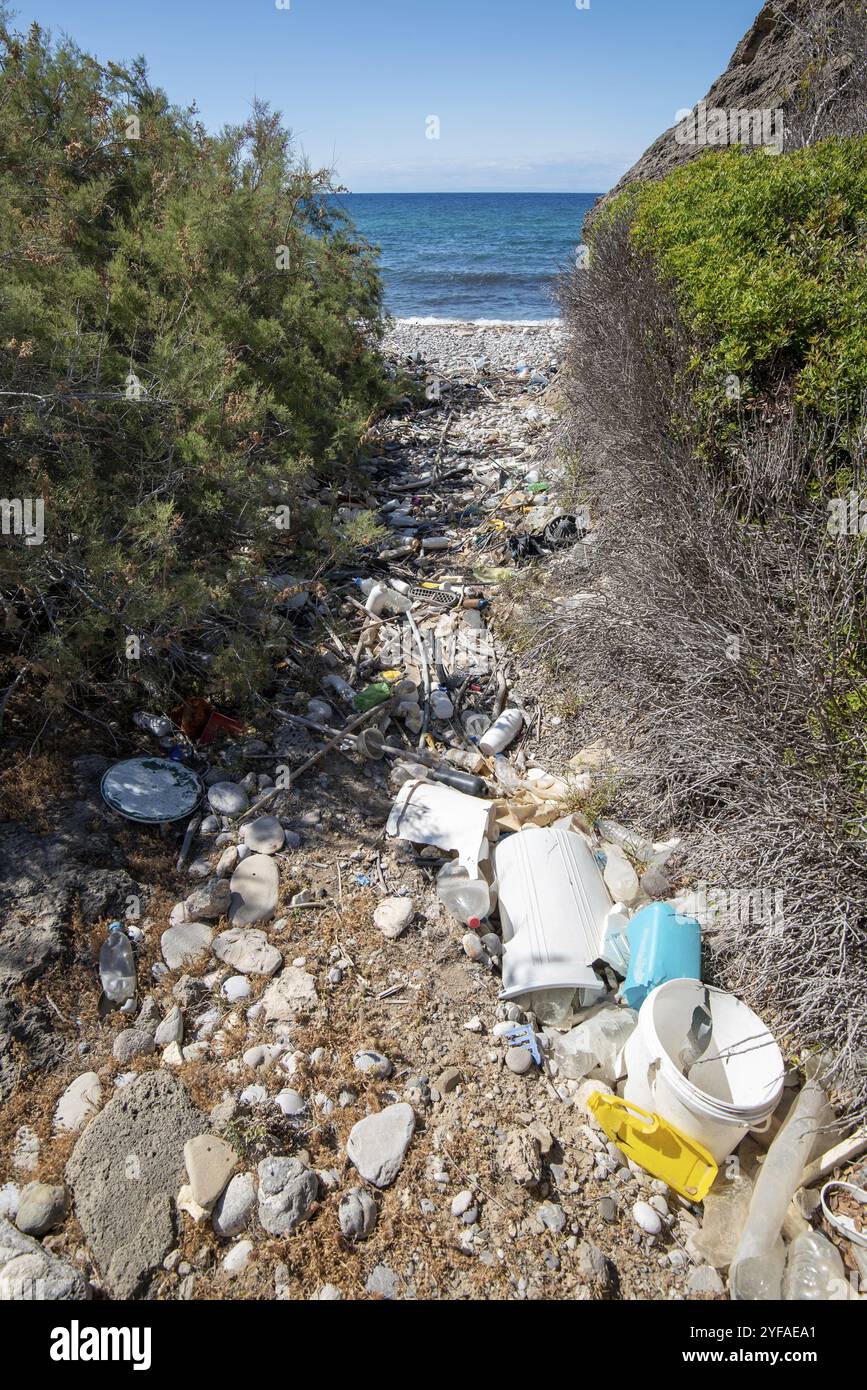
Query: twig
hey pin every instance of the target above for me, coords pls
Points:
(9, 691)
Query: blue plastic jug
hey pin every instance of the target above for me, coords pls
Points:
(662, 946)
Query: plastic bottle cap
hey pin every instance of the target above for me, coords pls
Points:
(115, 926)
(475, 923)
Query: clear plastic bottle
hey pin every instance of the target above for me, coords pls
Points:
(339, 686)
(625, 839)
(621, 880)
(756, 1271)
(406, 772)
(116, 965)
(475, 724)
(157, 724)
(466, 898)
(814, 1270)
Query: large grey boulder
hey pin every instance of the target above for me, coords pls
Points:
(125, 1172)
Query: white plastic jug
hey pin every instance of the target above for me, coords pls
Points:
(553, 909)
(502, 732)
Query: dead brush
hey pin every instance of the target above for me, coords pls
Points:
(722, 661)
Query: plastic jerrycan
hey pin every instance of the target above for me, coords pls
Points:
(656, 1145)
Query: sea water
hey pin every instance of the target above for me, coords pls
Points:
(471, 256)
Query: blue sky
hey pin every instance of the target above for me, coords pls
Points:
(529, 94)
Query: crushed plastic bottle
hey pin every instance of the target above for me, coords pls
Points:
(339, 686)
(621, 880)
(601, 1038)
(507, 777)
(157, 724)
(410, 713)
(625, 839)
(475, 724)
(756, 1271)
(814, 1270)
(466, 898)
(116, 965)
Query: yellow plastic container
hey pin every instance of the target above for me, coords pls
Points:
(656, 1146)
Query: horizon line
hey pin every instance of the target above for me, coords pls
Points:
(473, 192)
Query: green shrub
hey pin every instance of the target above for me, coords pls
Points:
(766, 255)
(188, 339)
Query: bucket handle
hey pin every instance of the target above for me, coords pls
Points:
(762, 1127)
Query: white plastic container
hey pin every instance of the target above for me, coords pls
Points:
(441, 706)
(382, 599)
(734, 1087)
(502, 732)
(553, 909)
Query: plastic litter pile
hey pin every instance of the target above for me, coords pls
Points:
(602, 973)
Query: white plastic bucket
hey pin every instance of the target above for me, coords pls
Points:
(734, 1087)
(553, 910)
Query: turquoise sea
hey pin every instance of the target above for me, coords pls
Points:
(471, 255)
